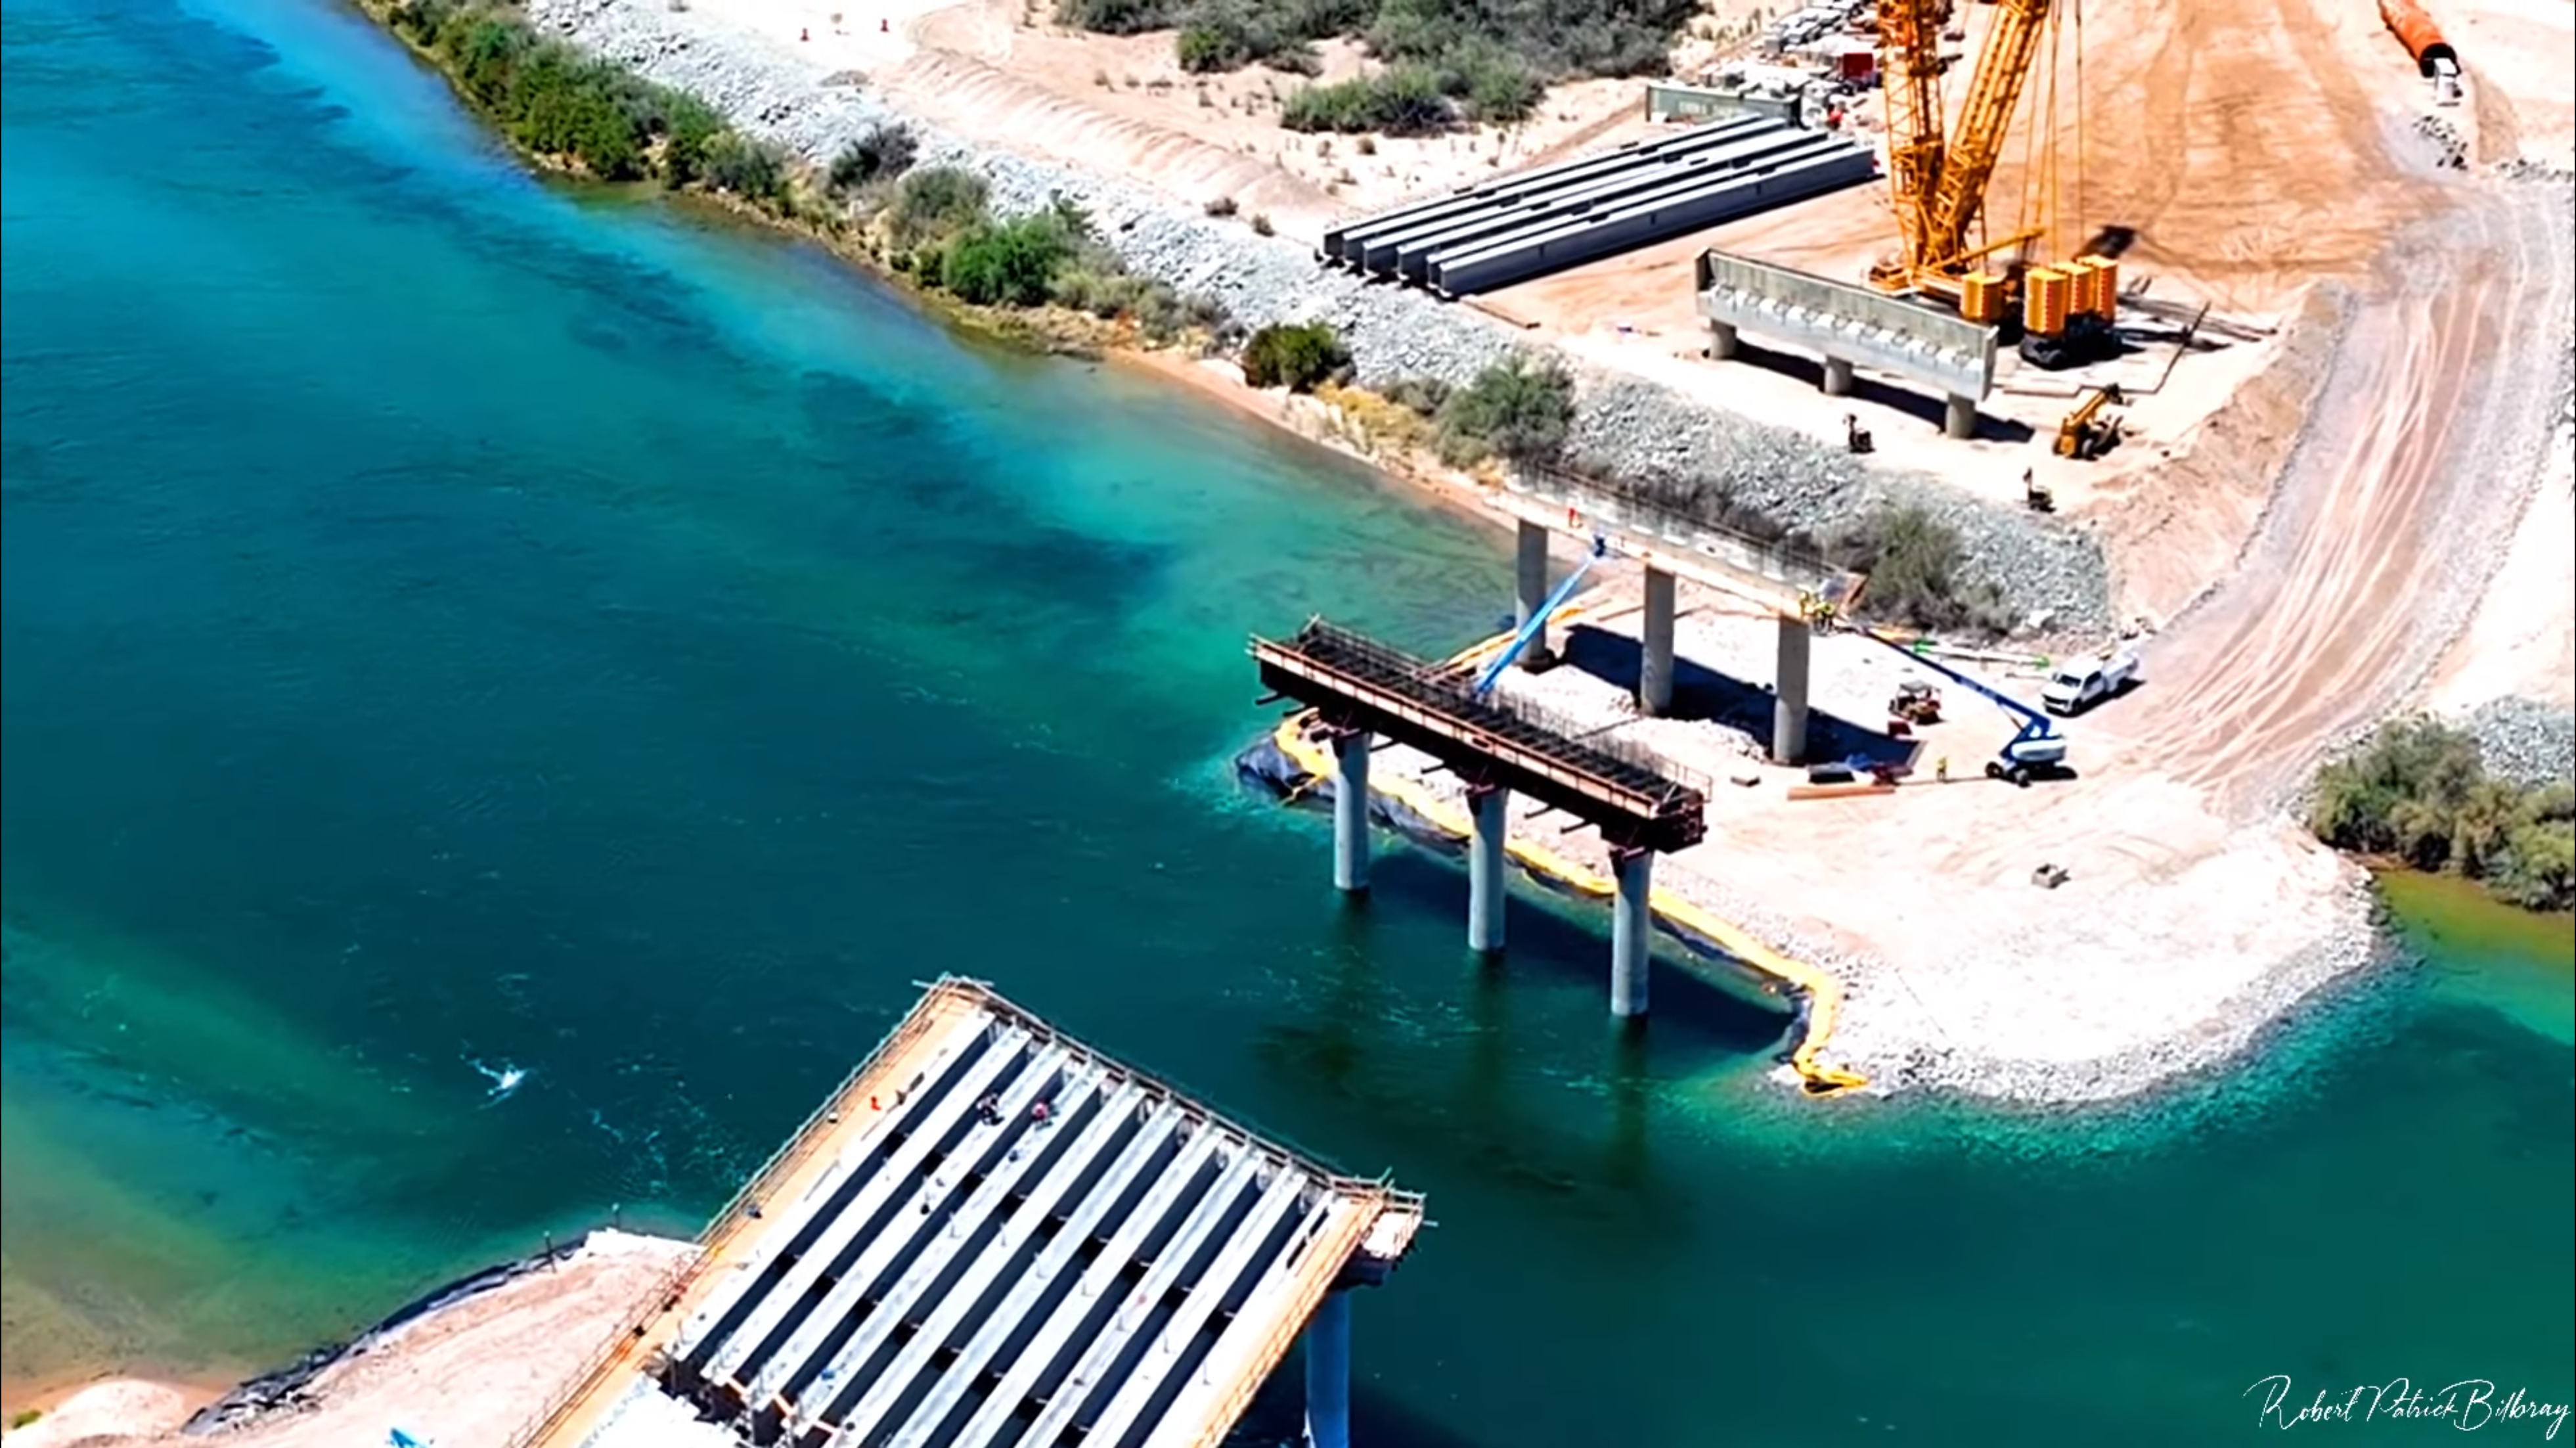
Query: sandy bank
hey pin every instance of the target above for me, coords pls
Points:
(470, 1369)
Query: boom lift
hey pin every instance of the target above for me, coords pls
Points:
(2039, 748)
(1532, 626)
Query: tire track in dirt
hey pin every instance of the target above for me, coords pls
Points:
(978, 100)
(2339, 611)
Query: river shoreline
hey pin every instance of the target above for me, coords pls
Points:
(2038, 1044)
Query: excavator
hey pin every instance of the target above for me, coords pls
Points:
(1938, 178)
(2089, 431)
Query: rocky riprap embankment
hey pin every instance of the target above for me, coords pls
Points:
(1622, 425)
(2524, 741)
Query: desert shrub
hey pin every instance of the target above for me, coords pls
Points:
(1013, 263)
(1917, 571)
(1521, 408)
(2417, 792)
(551, 100)
(881, 153)
(691, 125)
(754, 170)
(1122, 17)
(935, 202)
(1299, 356)
(1494, 56)
(1221, 207)
(1408, 100)
(1421, 395)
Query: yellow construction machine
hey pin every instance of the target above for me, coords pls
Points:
(2091, 429)
(1938, 179)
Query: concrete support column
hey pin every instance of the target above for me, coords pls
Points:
(1490, 817)
(1655, 665)
(1789, 710)
(1529, 590)
(1351, 813)
(1959, 417)
(1838, 377)
(1631, 927)
(1722, 341)
(1328, 1373)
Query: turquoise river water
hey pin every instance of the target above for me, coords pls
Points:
(455, 622)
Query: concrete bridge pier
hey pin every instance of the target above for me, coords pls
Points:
(1530, 591)
(1789, 708)
(1490, 815)
(1631, 929)
(1328, 1372)
(1838, 377)
(1959, 416)
(1351, 812)
(1655, 667)
(1723, 341)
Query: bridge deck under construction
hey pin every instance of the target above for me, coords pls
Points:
(1645, 527)
(994, 1235)
(1355, 682)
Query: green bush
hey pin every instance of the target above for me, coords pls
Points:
(1406, 101)
(1121, 17)
(1494, 56)
(752, 170)
(1297, 356)
(1917, 571)
(555, 102)
(2417, 792)
(1521, 407)
(936, 202)
(881, 153)
(1012, 264)
(1422, 395)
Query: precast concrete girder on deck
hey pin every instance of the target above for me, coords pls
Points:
(1848, 325)
(1020, 1241)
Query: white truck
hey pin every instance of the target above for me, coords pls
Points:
(2079, 684)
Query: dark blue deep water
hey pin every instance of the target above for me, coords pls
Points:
(455, 621)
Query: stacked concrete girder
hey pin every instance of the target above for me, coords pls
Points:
(1575, 211)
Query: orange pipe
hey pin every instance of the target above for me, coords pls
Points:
(2416, 31)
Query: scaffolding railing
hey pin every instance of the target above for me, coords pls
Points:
(604, 1359)
(1658, 785)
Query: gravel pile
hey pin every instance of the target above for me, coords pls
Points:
(2450, 148)
(2525, 741)
(1623, 424)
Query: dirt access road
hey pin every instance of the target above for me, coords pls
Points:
(2388, 523)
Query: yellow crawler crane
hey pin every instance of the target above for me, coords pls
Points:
(1938, 177)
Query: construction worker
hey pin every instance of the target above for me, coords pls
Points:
(1941, 770)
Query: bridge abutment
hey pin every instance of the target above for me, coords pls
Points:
(1351, 812)
(1655, 663)
(1789, 708)
(1632, 874)
(1490, 819)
